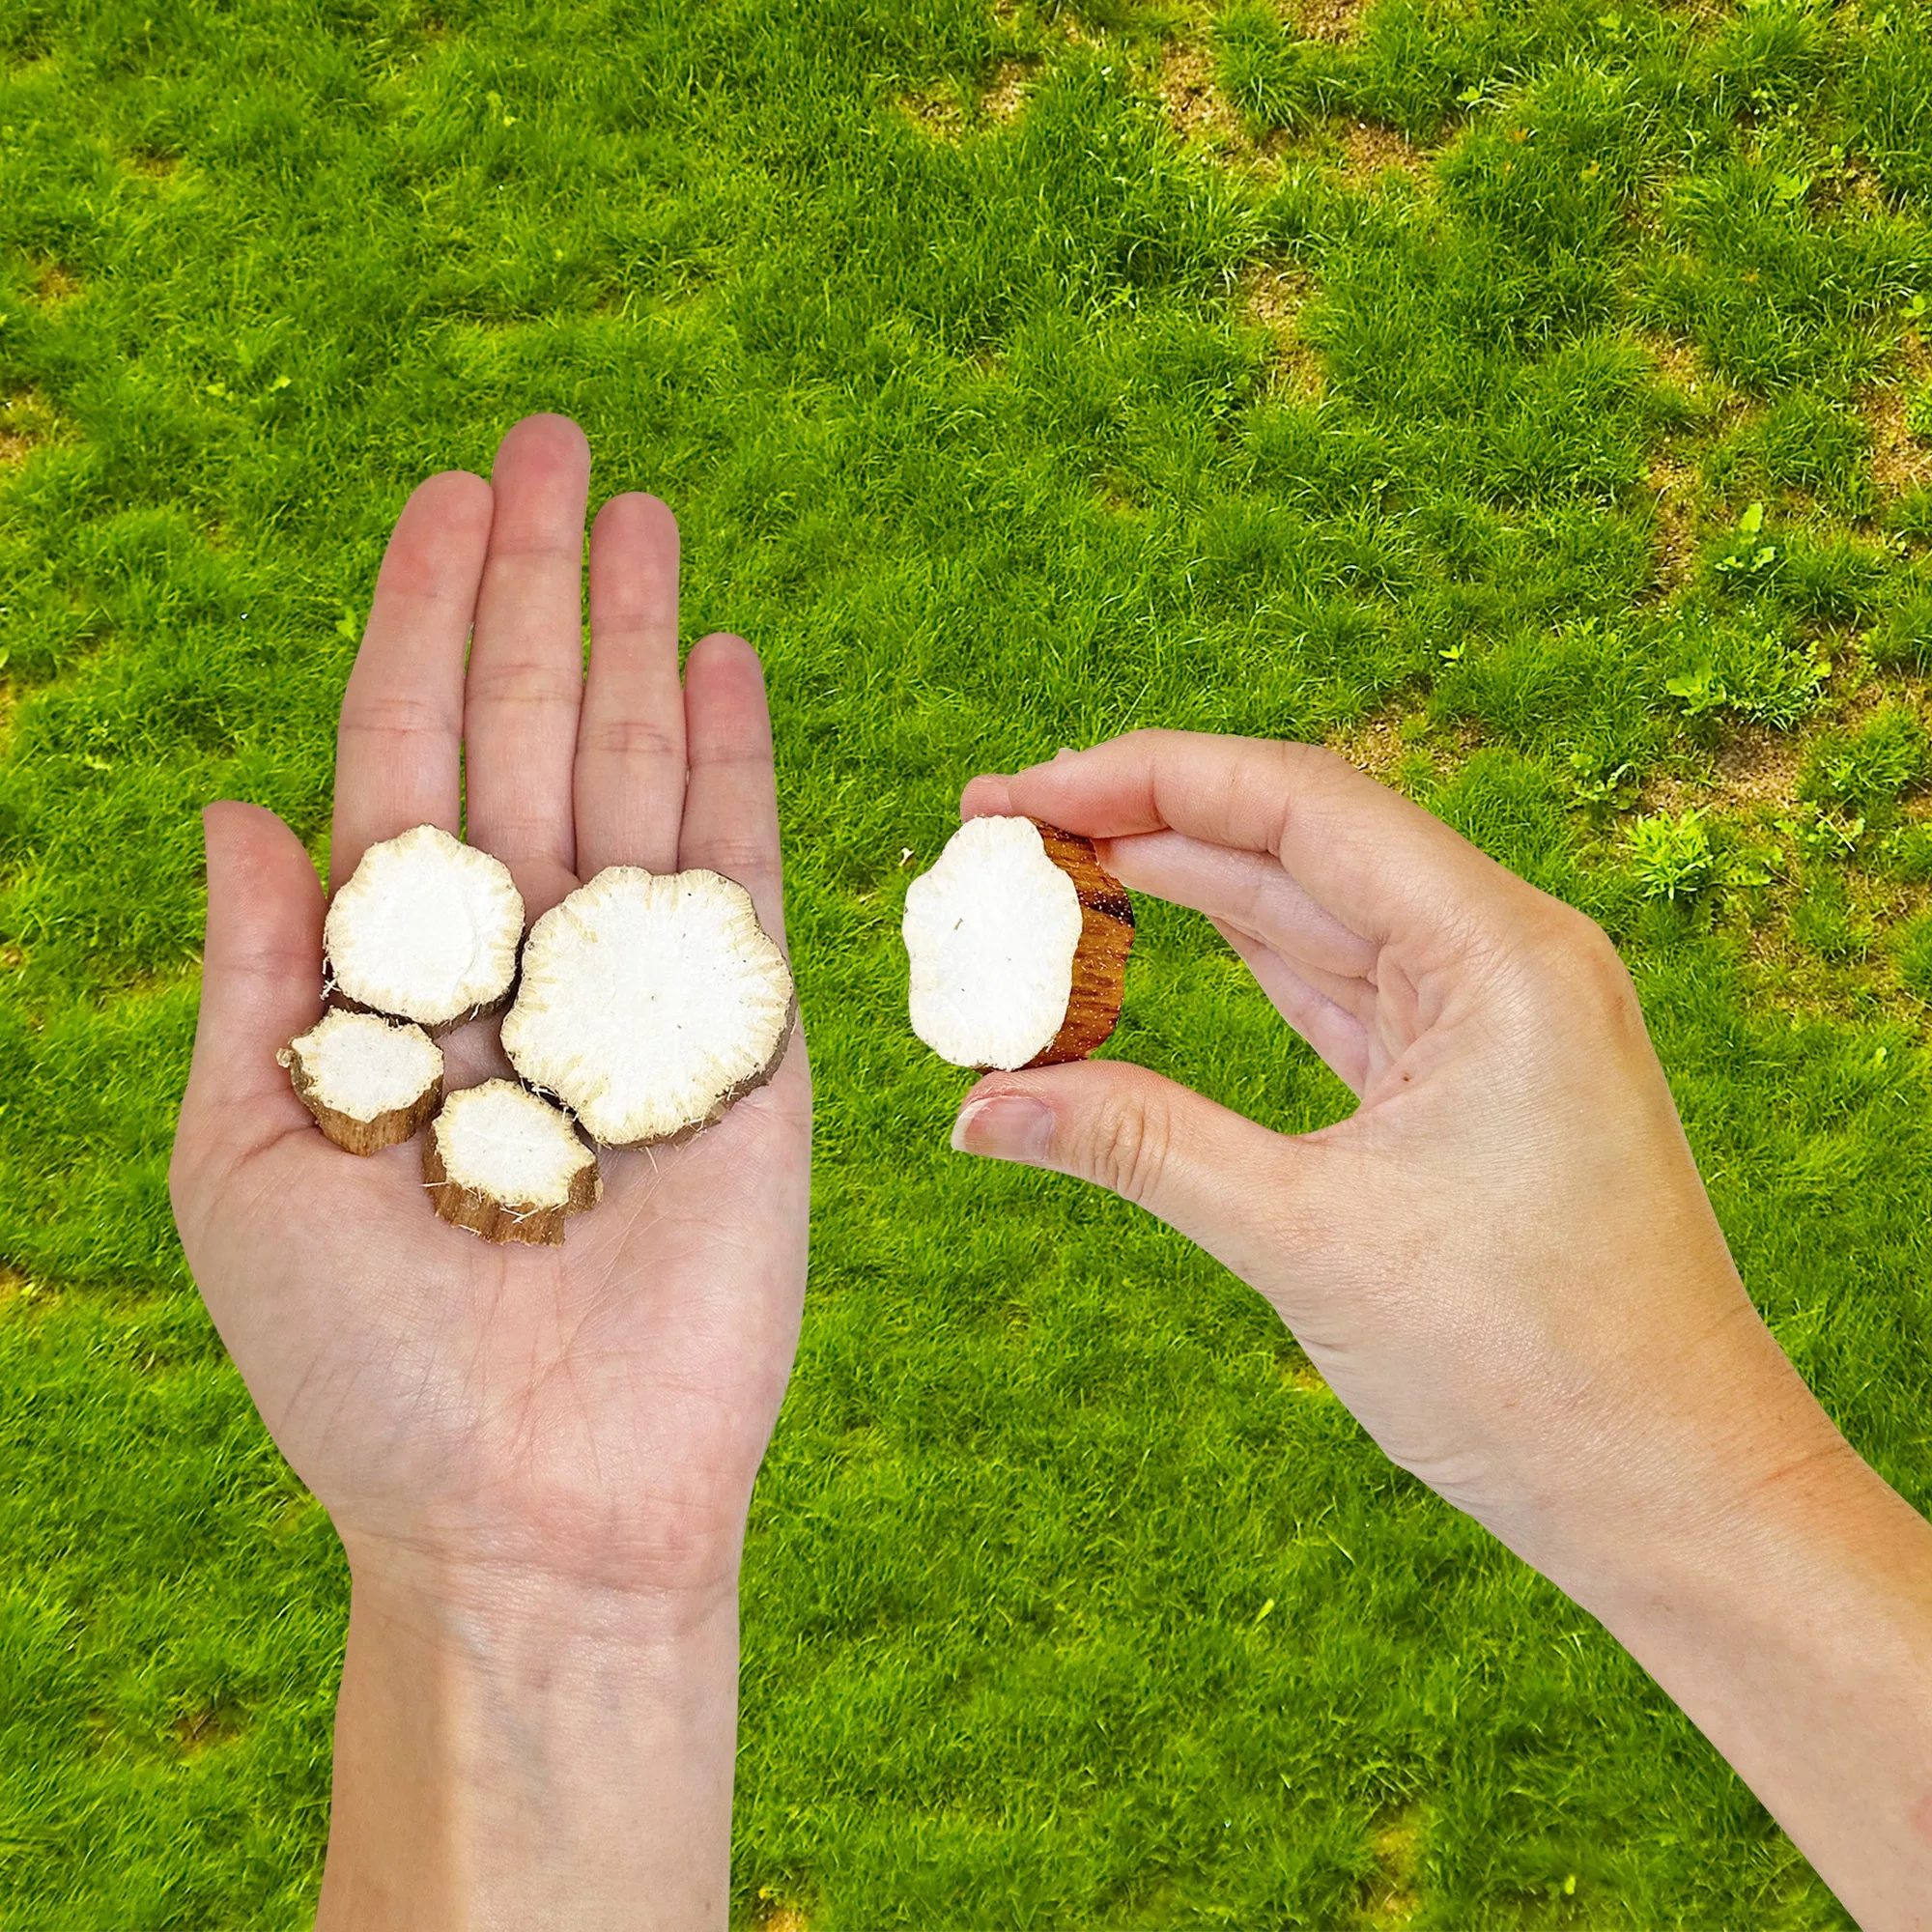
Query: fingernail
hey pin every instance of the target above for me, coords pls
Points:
(1064, 752)
(1005, 1126)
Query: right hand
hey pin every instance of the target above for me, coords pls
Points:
(1503, 1262)
(505, 1417)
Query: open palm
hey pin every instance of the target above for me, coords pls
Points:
(595, 1411)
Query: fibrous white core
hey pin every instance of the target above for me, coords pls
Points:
(646, 1000)
(991, 931)
(361, 1066)
(427, 928)
(499, 1140)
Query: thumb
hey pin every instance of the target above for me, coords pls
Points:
(261, 982)
(1250, 1197)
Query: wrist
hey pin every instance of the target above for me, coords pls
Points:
(1797, 1636)
(443, 1598)
(516, 1748)
(1678, 1459)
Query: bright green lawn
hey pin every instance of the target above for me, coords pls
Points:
(1015, 385)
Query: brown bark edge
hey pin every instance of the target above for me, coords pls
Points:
(465, 1206)
(726, 1101)
(334, 996)
(355, 1136)
(1101, 959)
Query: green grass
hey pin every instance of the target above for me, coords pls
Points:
(1570, 467)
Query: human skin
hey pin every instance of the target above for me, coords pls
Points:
(1505, 1264)
(539, 1460)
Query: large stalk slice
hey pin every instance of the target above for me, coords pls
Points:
(650, 1002)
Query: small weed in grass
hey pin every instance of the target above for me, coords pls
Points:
(1671, 855)
(1720, 663)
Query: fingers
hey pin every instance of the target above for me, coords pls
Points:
(990, 795)
(527, 660)
(397, 750)
(1365, 854)
(1336, 1034)
(731, 801)
(1248, 889)
(261, 983)
(630, 734)
(1248, 1196)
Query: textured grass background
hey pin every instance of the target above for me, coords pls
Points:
(1527, 395)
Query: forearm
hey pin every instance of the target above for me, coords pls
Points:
(510, 1754)
(1796, 1632)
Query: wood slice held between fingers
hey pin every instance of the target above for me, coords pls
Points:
(370, 1083)
(505, 1164)
(1018, 941)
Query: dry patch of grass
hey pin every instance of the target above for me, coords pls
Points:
(1900, 460)
(1405, 749)
(1753, 771)
(1185, 87)
(1002, 100)
(1675, 480)
(1273, 297)
(25, 423)
(1757, 766)
(1674, 487)
(198, 1731)
(1328, 19)
(943, 114)
(149, 163)
(55, 284)
(1862, 990)
(1381, 745)
(937, 112)
(1391, 1899)
(1680, 363)
(1369, 149)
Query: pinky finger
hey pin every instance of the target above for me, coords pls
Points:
(1337, 1036)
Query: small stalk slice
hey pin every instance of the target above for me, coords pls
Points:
(504, 1163)
(425, 930)
(370, 1083)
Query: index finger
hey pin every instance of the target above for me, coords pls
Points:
(397, 750)
(1362, 852)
